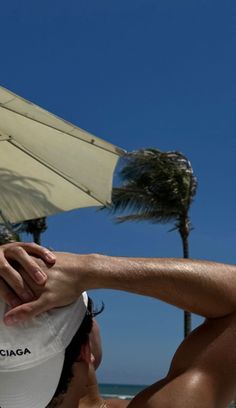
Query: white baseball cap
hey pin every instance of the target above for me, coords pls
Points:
(32, 354)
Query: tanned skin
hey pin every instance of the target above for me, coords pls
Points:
(202, 373)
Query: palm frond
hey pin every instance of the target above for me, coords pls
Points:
(155, 182)
(138, 200)
(167, 175)
(151, 217)
(30, 226)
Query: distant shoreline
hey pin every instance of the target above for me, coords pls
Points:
(121, 391)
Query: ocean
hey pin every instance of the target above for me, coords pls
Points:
(123, 391)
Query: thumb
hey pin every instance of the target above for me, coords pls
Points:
(25, 312)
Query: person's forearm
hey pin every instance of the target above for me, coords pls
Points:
(201, 287)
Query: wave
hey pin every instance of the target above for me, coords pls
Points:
(123, 397)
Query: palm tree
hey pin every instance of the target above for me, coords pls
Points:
(35, 227)
(11, 232)
(158, 187)
(8, 235)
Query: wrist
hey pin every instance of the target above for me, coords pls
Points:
(92, 272)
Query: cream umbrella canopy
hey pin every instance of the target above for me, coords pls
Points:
(48, 165)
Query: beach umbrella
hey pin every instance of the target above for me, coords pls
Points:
(48, 165)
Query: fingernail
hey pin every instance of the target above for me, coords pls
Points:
(10, 320)
(27, 296)
(50, 257)
(40, 276)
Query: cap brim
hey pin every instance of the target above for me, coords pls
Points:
(33, 387)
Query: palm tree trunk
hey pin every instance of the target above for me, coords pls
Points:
(37, 237)
(183, 227)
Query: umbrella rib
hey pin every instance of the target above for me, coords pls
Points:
(118, 152)
(41, 161)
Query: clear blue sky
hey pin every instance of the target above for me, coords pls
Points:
(138, 73)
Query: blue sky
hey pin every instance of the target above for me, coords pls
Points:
(138, 73)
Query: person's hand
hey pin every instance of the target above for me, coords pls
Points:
(63, 286)
(13, 289)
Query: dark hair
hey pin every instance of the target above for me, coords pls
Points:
(73, 349)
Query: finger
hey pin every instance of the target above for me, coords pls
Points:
(26, 311)
(28, 263)
(39, 251)
(8, 296)
(14, 280)
(35, 288)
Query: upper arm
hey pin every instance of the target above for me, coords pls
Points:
(210, 351)
(202, 371)
(208, 347)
